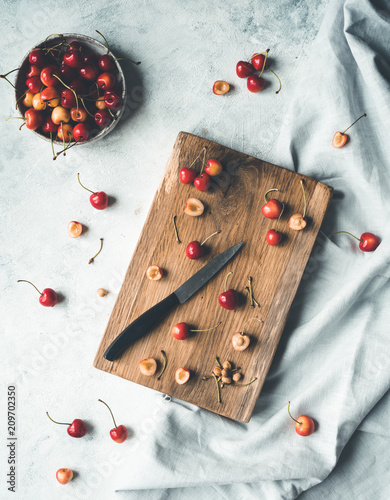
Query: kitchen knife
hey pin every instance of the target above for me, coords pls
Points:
(139, 327)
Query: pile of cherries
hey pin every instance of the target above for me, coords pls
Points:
(71, 93)
(257, 63)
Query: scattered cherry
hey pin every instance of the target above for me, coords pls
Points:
(229, 298)
(195, 249)
(148, 366)
(76, 429)
(259, 60)
(244, 69)
(154, 272)
(181, 331)
(274, 237)
(221, 87)
(48, 296)
(368, 241)
(202, 182)
(99, 200)
(272, 208)
(187, 175)
(118, 433)
(182, 375)
(304, 425)
(213, 167)
(64, 475)
(255, 84)
(340, 138)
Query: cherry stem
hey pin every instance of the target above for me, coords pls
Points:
(18, 99)
(250, 290)
(175, 228)
(110, 412)
(264, 63)
(304, 198)
(244, 385)
(69, 88)
(280, 83)
(208, 329)
(15, 118)
(63, 137)
(85, 107)
(52, 145)
(254, 300)
(25, 281)
(269, 190)
(197, 158)
(218, 388)
(217, 361)
(105, 41)
(346, 232)
(246, 322)
(164, 364)
(288, 409)
(364, 114)
(60, 423)
(281, 213)
(203, 161)
(100, 249)
(203, 242)
(78, 178)
(227, 276)
(66, 149)
(125, 59)
(4, 77)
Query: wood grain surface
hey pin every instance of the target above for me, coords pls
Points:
(233, 205)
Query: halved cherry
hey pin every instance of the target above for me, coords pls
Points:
(240, 341)
(298, 221)
(154, 273)
(220, 87)
(75, 229)
(182, 375)
(194, 207)
(148, 367)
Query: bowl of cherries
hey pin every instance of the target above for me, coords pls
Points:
(70, 89)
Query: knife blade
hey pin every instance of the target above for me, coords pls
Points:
(139, 327)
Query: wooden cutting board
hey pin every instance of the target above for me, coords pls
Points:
(233, 205)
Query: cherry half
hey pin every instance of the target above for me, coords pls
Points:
(368, 241)
(274, 237)
(181, 331)
(272, 208)
(76, 429)
(195, 249)
(99, 199)
(229, 298)
(340, 138)
(304, 425)
(48, 296)
(298, 221)
(119, 432)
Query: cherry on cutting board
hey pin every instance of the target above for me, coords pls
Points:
(274, 237)
(229, 298)
(241, 340)
(181, 331)
(148, 366)
(368, 241)
(195, 249)
(99, 199)
(187, 175)
(182, 375)
(48, 296)
(213, 167)
(298, 221)
(202, 182)
(272, 208)
(304, 425)
(119, 432)
(340, 138)
(76, 429)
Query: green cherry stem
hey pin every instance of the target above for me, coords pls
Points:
(346, 232)
(218, 389)
(244, 385)
(110, 412)
(97, 253)
(25, 281)
(364, 114)
(69, 88)
(164, 364)
(204, 160)
(60, 423)
(203, 242)
(218, 362)
(280, 83)
(78, 178)
(105, 40)
(227, 276)
(208, 329)
(269, 190)
(304, 199)
(281, 213)
(264, 63)
(288, 409)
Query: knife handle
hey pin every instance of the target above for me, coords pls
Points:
(139, 327)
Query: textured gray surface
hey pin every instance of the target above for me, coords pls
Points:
(184, 47)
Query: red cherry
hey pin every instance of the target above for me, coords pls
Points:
(49, 126)
(106, 81)
(68, 99)
(255, 84)
(89, 72)
(244, 69)
(67, 73)
(78, 115)
(187, 175)
(81, 132)
(194, 250)
(213, 167)
(47, 76)
(37, 57)
(112, 100)
(34, 119)
(76, 429)
(48, 296)
(304, 425)
(34, 84)
(258, 60)
(229, 298)
(202, 182)
(78, 86)
(274, 237)
(119, 432)
(90, 58)
(106, 63)
(34, 71)
(368, 241)
(74, 58)
(272, 208)
(181, 331)
(99, 200)
(103, 118)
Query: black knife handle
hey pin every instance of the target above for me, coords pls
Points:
(139, 327)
